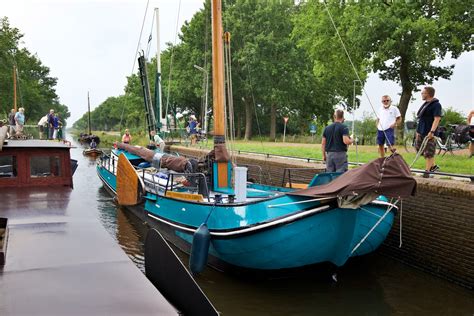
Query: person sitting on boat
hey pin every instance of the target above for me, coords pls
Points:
(20, 120)
(156, 142)
(127, 138)
(334, 144)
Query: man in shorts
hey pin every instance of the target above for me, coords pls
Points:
(428, 116)
(388, 118)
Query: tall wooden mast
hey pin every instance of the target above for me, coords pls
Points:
(14, 88)
(218, 94)
(89, 113)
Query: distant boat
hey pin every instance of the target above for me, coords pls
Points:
(208, 209)
(87, 138)
(92, 152)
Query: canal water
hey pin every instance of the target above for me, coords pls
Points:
(371, 285)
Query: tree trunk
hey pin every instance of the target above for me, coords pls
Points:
(238, 127)
(248, 119)
(407, 90)
(272, 122)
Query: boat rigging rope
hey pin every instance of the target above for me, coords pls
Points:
(150, 37)
(230, 101)
(171, 60)
(134, 61)
(355, 70)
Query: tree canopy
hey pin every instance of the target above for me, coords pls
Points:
(287, 59)
(35, 87)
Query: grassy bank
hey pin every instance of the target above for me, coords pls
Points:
(459, 163)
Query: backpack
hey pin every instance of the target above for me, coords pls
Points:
(461, 134)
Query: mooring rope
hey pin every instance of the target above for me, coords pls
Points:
(401, 213)
(373, 227)
(355, 71)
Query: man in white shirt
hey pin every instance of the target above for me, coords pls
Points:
(388, 118)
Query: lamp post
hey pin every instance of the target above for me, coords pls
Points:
(353, 119)
(206, 91)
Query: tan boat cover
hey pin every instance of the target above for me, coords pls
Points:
(384, 176)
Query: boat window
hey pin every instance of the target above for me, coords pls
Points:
(8, 168)
(45, 166)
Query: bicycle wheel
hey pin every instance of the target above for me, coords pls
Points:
(409, 144)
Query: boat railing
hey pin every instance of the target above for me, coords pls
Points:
(194, 182)
(107, 162)
(256, 169)
(295, 177)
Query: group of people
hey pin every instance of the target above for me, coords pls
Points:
(16, 122)
(51, 125)
(336, 136)
(156, 142)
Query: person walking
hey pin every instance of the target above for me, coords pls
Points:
(20, 121)
(388, 118)
(470, 122)
(127, 138)
(428, 117)
(334, 144)
(51, 124)
(11, 122)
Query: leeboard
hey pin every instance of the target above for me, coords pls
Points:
(127, 182)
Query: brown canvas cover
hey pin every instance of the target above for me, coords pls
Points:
(170, 162)
(174, 163)
(388, 176)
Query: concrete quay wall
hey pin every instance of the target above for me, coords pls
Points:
(437, 224)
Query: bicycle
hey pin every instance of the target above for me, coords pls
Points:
(448, 141)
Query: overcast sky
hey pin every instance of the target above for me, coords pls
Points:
(90, 45)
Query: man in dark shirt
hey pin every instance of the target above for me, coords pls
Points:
(334, 144)
(428, 116)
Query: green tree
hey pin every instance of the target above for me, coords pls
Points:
(398, 39)
(35, 87)
(451, 116)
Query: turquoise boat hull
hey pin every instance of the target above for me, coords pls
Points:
(270, 234)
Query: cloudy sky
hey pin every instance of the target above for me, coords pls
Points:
(90, 45)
